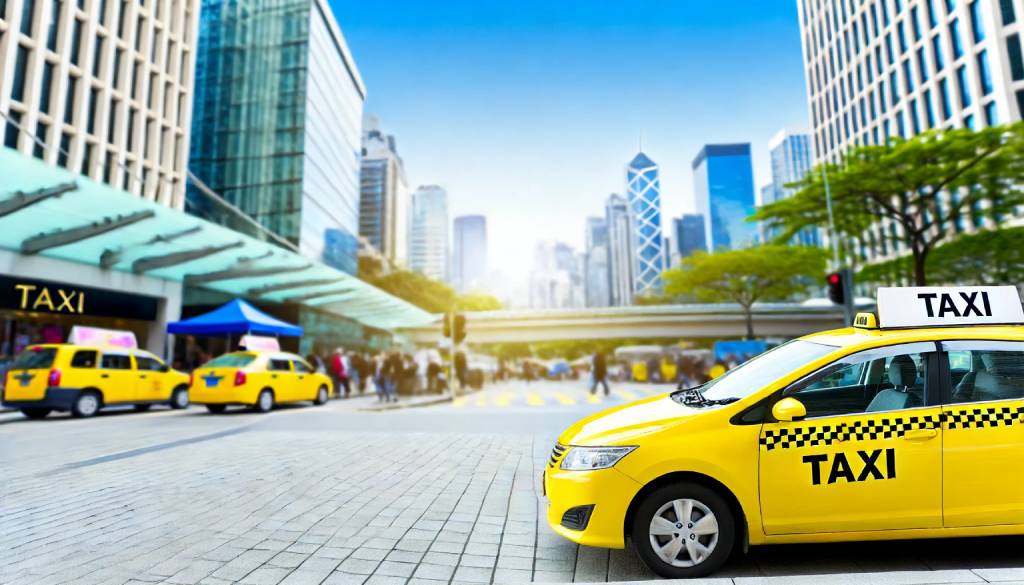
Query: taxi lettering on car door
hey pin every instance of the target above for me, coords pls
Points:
(868, 453)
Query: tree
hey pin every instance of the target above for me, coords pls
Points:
(426, 293)
(747, 276)
(477, 301)
(908, 183)
(983, 258)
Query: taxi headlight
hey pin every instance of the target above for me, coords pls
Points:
(587, 458)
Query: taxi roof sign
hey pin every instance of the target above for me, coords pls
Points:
(865, 321)
(948, 306)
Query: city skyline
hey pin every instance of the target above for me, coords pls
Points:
(500, 125)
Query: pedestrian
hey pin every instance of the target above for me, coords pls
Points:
(316, 363)
(433, 373)
(364, 366)
(339, 373)
(460, 369)
(599, 372)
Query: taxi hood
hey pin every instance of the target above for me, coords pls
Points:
(622, 424)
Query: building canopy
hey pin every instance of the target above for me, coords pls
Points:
(53, 212)
(236, 316)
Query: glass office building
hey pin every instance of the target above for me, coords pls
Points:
(723, 178)
(278, 115)
(643, 190)
(689, 234)
(790, 153)
(469, 266)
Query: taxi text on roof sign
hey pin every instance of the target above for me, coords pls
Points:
(942, 306)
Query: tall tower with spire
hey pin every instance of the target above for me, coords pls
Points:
(643, 191)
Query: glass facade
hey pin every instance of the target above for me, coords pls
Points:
(724, 192)
(689, 234)
(428, 248)
(643, 190)
(790, 154)
(279, 106)
(469, 268)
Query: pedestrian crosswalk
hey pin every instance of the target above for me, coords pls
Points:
(541, 397)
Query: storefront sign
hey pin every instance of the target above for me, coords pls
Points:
(41, 296)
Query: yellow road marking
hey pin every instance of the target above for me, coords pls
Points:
(626, 394)
(459, 402)
(534, 399)
(593, 399)
(481, 401)
(564, 399)
(504, 399)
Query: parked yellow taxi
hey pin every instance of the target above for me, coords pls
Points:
(908, 425)
(259, 379)
(83, 379)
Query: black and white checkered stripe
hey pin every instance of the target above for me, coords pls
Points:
(890, 428)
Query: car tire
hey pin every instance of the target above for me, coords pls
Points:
(36, 413)
(179, 398)
(264, 402)
(684, 547)
(87, 404)
(216, 408)
(321, 396)
(142, 407)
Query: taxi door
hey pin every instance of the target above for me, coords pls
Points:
(282, 379)
(983, 434)
(152, 384)
(868, 455)
(306, 382)
(118, 379)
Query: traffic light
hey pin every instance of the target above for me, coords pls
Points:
(460, 328)
(836, 288)
(447, 327)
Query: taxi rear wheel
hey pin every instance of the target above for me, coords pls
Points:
(684, 530)
(321, 396)
(265, 401)
(179, 398)
(87, 404)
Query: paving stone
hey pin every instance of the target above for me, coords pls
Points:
(337, 578)
(358, 566)
(265, 576)
(440, 558)
(395, 569)
(512, 576)
(428, 571)
(473, 575)
(468, 560)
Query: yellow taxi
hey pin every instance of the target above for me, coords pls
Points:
(908, 425)
(83, 379)
(259, 379)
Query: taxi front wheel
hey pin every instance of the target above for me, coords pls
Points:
(684, 530)
(321, 396)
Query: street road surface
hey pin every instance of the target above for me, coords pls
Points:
(336, 495)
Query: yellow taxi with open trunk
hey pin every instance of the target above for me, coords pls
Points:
(908, 425)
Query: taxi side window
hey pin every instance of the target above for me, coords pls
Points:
(870, 381)
(983, 371)
(115, 361)
(278, 365)
(144, 362)
(301, 367)
(84, 358)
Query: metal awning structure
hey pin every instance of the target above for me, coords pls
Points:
(53, 212)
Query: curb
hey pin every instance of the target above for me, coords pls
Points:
(404, 405)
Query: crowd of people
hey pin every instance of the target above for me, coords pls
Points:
(387, 374)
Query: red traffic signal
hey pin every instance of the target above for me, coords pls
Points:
(836, 292)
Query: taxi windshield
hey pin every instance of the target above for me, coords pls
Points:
(764, 369)
(231, 360)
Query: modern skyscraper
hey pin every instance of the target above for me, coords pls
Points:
(790, 152)
(621, 246)
(643, 189)
(469, 268)
(556, 279)
(384, 198)
(428, 247)
(876, 71)
(105, 90)
(689, 232)
(596, 279)
(279, 104)
(723, 186)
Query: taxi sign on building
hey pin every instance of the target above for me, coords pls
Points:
(945, 306)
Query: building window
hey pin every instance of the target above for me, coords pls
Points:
(76, 40)
(933, 16)
(97, 56)
(39, 146)
(963, 87)
(90, 122)
(950, 6)
(908, 76)
(1007, 12)
(947, 108)
(1016, 58)
(954, 36)
(977, 27)
(984, 74)
(69, 100)
(888, 48)
(20, 66)
(969, 121)
(915, 123)
(991, 116)
(902, 36)
(940, 62)
(901, 126)
(894, 88)
(12, 131)
(65, 148)
(44, 88)
(915, 23)
(87, 155)
(28, 12)
(929, 111)
(51, 34)
(922, 65)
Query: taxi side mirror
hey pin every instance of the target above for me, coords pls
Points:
(788, 410)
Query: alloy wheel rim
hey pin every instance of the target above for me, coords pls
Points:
(684, 532)
(88, 404)
(322, 395)
(265, 401)
(181, 399)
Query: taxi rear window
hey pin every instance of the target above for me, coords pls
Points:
(35, 358)
(231, 360)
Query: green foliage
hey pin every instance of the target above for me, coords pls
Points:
(426, 293)
(746, 276)
(477, 301)
(984, 258)
(907, 182)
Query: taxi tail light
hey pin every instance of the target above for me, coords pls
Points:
(54, 378)
(239, 378)
(191, 378)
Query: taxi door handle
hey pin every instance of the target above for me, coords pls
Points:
(921, 434)
(273, 375)
(104, 375)
(143, 376)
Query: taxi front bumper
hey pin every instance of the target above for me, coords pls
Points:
(607, 493)
(55, 398)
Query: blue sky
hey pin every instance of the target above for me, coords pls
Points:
(528, 111)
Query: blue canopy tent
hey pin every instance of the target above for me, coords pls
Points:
(236, 317)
